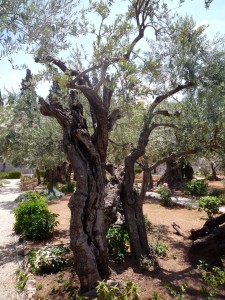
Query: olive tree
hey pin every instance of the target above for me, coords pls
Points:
(115, 73)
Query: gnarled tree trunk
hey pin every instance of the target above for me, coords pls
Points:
(87, 226)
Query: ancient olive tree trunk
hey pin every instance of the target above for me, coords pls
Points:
(87, 227)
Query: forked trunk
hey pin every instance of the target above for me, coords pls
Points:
(133, 212)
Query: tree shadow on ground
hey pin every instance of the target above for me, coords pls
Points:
(8, 253)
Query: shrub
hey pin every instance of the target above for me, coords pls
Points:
(34, 220)
(68, 187)
(30, 196)
(215, 193)
(50, 259)
(54, 194)
(165, 194)
(138, 170)
(10, 175)
(117, 238)
(197, 187)
(210, 205)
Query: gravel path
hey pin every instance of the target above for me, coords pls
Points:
(8, 240)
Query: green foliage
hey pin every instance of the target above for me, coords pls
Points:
(213, 279)
(21, 279)
(165, 194)
(54, 194)
(160, 249)
(176, 293)
(10, 175)
(115, 292)
(50, 259)
(42, 173)
(138, 170)
(210, 205)
(30, 196)
(148, 224)
(34, 220)
(215, 193)
(197, 187)
(68, 187)
(117, 239)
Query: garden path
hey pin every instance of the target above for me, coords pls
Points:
(8, 240)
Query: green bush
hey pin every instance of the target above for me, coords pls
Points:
(197, 187)
(165, 194)
(117, 239)
(50, 259)
(215, 193)
(10, 175)
(68, 187)
(138, 170)
(210, 205)
(29, 196)
(42, 173)
(34, 220)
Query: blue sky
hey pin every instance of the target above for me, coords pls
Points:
(214, 17)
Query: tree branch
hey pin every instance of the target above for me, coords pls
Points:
(173, 155)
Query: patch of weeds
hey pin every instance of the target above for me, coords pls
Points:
(148, 224)
(176, 293)
(21, 279)
(39, 286)
(117, 239)
(160, 249)
(213, 279)
(156, 296)
(67, 285)
(50, 259)
(129, 292)
(60, 277)
(54, 289)
(146, 263)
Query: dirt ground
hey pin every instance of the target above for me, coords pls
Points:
(174, 268)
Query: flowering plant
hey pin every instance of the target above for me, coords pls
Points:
(50, 259)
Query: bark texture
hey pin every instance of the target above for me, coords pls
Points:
(87, 226)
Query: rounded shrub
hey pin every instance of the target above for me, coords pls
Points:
(34, 220)
(50, 259)
(68, 187)
(165, 194)
(197, 187)
(210, 205)
(28, 196)
(10, 175)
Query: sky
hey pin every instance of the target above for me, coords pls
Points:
(10, 79)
